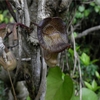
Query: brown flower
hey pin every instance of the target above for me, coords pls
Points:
(52, 37)
(52, 34)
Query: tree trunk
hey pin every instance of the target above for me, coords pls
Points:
(34, 71)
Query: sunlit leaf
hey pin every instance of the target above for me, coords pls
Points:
(59, 86)
(86, 95)
(96, 9)
(75, 34)
(71, 52)
(1, 17)
(78, 15)
(28, 98)
(11, 19)
(86, 13)
(97, 2)
(94, 85)
(85, 59)
(81, 8)
(88, 85)
(97, 75)
(92, 4)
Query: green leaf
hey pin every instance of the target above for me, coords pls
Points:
(95, 60)
(75, 34)
(97, 75)
(88, 94)
(71, 51)
(97, 2)
(98, 95)
(77, 48)
(94, 85)
(81, 8)
(88, 85)
(6, 20)
(5, 12)
(75, 98)
(74, 21)
(92, 4)
(11, 19)
(96, 9)
(78, 15)
(85, 59)
(28, 98)
(86, 12)
(59, 86)
(1, 17)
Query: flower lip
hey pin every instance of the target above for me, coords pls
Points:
(52, 34)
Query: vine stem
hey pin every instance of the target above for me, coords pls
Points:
(12, 85)
(9, 75)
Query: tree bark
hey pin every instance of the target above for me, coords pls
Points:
(34, 71)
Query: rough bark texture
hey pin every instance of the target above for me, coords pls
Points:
(33, 71)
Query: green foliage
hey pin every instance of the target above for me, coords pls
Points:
(97, 75)
(5, 17)
(86, 95)
(97, 2)
(85, 59)
(88, 66)
(81, 8)
(94, 87)
(84, 12)
(59, 85)
(28, 98)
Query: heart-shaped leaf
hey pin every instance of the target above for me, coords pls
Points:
(59, 86)
(88, 94)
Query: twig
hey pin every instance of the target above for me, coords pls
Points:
(11, 10)
(88, 2)
(12, 85)
(71, 21)
(86, 32)
(10, 78)
(77, 62)
(27, 17)
(80, 74)
(67, 64)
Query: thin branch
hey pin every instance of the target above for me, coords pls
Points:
(27, 16)
(42, 87)
(71, 21)
(24, 59)
(86, 32)
(75, 56)
(13, 89)
(20, 18)
(80, 75)
(11, 10)
(88, 2)
(77, 63)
